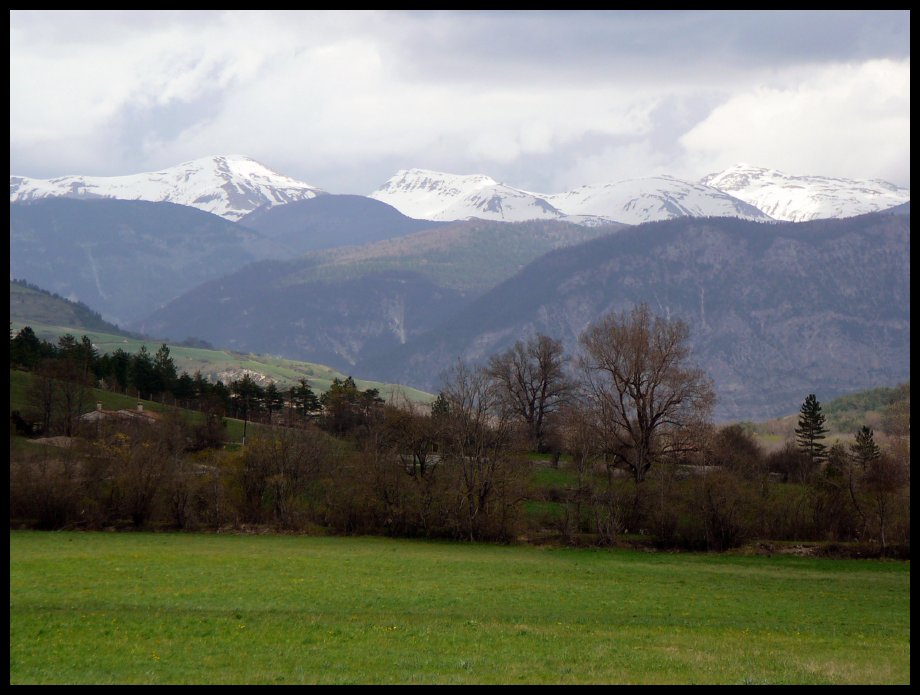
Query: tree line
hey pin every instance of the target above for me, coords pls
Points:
(64, 372)
(613, 444)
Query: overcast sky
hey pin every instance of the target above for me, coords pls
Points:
(545, 101)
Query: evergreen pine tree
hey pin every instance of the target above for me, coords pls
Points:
(27, 350)
(273, 399)
(164, 370)
(441, 407)
(865, 450)
(304, 399)
(247, 396)
(142, 375)
(811, 430)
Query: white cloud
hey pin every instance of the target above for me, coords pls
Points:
(612, 163)
(69, 98)
(844, 120)
(343, 103)
(341, 99)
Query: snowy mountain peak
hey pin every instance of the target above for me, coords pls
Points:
(425, 194)
(801, 198)
(503, 203)
(653, 198)
(438, 196)
(426, 179)
(231, 186)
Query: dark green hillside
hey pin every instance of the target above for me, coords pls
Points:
(871, 407)
(225, 365)
(902, 209)
(342, 306)
(21, 400)
(335, 323)
(471, 256)
(885, 409)
(29, 303)
(776, 311)
(125, 257)
(328, 221)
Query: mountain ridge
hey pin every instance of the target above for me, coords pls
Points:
(230, 186)
(234, 186)
(332, 220)
(774, 313)
(797, 198)
(326, 301)
(125, 257)
(442, 196)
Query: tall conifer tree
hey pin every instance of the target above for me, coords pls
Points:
(865, 450)
(811, 429)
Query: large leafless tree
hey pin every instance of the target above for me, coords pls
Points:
(646, 398)
(476, 448)
(531, 381)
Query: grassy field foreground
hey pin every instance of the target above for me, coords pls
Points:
(185, 608)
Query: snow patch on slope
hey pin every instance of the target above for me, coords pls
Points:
(500, 202)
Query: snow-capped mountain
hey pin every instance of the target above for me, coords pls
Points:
(652, 199)
(501, 202)
(233, 186)
(229, 186)
(802, 198)
(433, 195)
(425, 194)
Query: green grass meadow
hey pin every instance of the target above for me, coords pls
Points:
(196, 608)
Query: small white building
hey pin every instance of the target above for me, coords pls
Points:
(101, 414)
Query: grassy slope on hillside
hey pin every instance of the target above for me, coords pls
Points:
(845, 415)
(19, 400)
(168, 608)
(466, 256)
(28, 303)
(212, 363)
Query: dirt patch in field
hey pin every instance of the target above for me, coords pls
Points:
(61, 442)
(868, 551)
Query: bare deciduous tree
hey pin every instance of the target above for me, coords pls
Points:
(531, 382)
(57, 397)
(278, 465)
(475, 446)
(143, 458)
(883, 482)
(646, 398)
